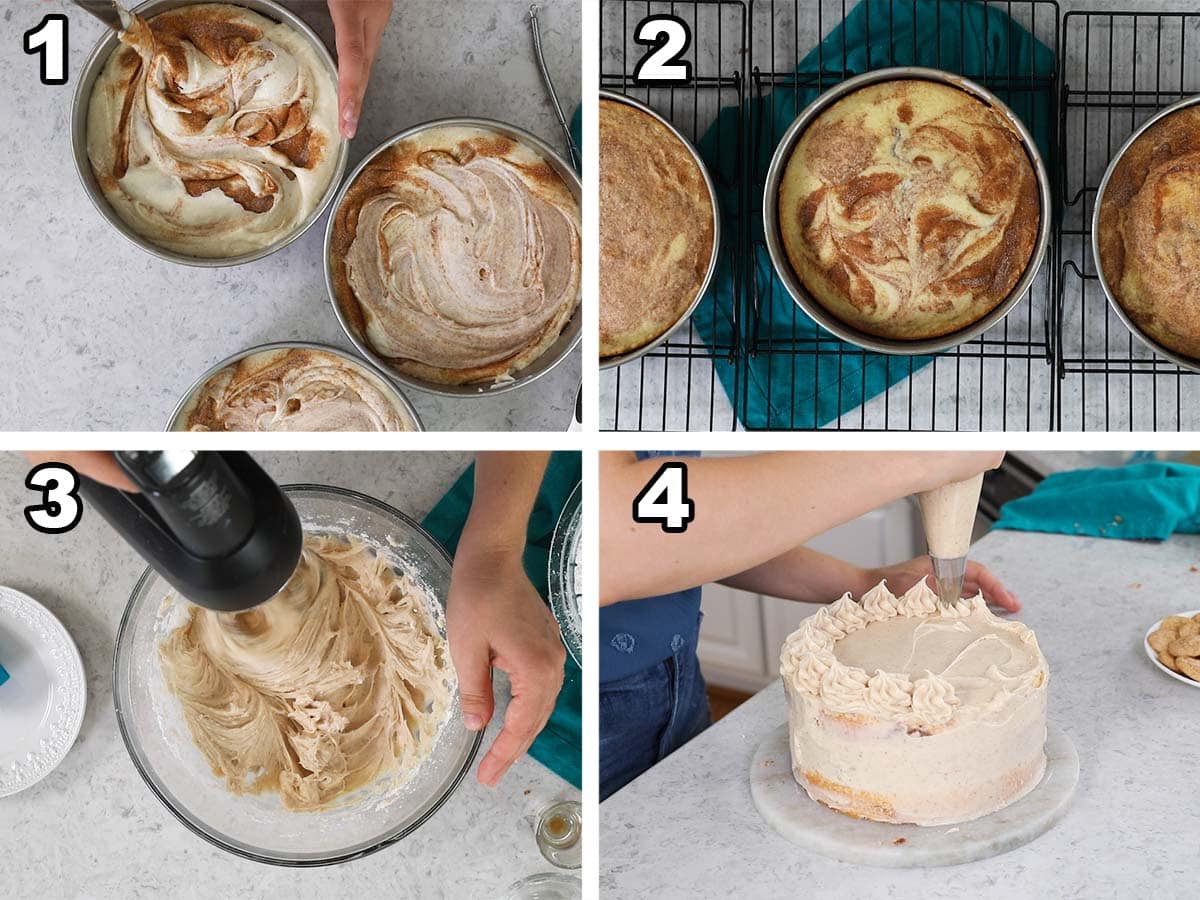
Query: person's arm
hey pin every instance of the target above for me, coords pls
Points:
(495, 616)
(751, 509)
(811, 577)
(358, 28)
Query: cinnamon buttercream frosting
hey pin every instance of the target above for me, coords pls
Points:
(212, 130)
(1148, 239)
(909, 209)
(341, 679)
(902, 709)
(456, 255)
(298, 389)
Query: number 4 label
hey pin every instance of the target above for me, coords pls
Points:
(49, 38)
(664, 500)
(670, 38)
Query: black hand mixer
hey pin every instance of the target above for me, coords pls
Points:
(215, 525)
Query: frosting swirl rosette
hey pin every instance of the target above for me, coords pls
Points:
(297, 389)
(212, 130)
(456, 255)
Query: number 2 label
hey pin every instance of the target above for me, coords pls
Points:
(670, 37)
(664, 500)
(49, 38)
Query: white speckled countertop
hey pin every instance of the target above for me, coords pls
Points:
(92, 828)
(105, 336)
(688, 826)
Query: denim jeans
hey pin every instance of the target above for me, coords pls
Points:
(646, 716)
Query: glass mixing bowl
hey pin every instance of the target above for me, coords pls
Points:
(259, 827)
(565, 578)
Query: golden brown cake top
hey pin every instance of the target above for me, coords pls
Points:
(909, 209)
(457, 255)
(1149, 231)
(656, 228)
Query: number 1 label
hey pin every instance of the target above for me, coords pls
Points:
(49, 38)
(664, 500)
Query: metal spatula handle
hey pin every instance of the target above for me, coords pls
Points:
(109, 12)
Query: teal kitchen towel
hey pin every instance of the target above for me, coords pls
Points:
(1148, 501)
(559, 746)
(3, 675)
(804, 390)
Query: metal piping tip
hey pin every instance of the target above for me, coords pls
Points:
(948, 576)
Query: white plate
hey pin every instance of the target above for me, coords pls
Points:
(1154, 656)
(42, 703)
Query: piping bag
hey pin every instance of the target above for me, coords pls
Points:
(948, 514)
(213, 524)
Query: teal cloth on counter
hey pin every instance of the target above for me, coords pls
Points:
(559, 746)
(780, 388)
(3, 675)
(1148, 501)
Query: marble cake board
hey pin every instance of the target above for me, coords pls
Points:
(791, 812)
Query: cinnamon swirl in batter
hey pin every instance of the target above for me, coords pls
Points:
(1149, 231)
(456, 255)
(909, 209)
(299, 389)
(340, 679)
(212, 130)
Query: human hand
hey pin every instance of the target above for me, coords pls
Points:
(495, 617)
(358, 28)
(98, 465)
(978, 579)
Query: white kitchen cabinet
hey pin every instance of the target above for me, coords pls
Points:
(742, 633)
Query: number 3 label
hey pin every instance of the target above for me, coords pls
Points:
(49, 38)
(60, 508)
(664, 500)
(670, 38)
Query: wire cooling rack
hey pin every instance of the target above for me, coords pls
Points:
(675, 387)
(1003, 379)
(1119, 68)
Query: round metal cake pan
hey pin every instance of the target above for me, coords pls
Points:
(800, 294)
(609, 362)
(555, 353)
(1186, 362)
(79, 118)
(176, 422)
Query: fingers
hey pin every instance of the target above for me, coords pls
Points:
(95, 464)
(349, 29)
(528, 711)
(358, 28)
(472, 661)
(994, 592)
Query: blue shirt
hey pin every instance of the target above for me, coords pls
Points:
(637, 634)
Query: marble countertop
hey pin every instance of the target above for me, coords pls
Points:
(107, 337)
(688, 827)
(93, 828)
